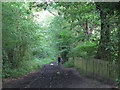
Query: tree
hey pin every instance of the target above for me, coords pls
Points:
(18, 32)
(103, 50)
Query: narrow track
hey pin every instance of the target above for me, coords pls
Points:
(54, 76)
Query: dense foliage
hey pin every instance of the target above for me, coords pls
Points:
(87, 29)
(23, 40)
(77, 29)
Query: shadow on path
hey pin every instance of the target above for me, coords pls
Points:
(54, 76)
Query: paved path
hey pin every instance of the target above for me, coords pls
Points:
(54, 76)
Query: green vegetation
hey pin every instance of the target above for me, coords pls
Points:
(27, 66)
(86, 50)
(35, 33)
(69, 63)
(23, 40)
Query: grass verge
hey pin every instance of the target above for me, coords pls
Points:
(26, 67)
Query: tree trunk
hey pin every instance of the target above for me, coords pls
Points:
(103, 50)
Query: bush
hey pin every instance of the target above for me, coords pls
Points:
(26, 67)
(87, 49)
(69, 63)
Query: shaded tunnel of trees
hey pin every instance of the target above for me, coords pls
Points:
(71, 29)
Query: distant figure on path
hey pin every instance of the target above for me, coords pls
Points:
(59, 60)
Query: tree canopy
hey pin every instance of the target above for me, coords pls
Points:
(71, 29)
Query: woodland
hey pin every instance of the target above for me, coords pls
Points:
(82, 33)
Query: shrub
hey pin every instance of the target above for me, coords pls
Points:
(69, 63)
(87, 49)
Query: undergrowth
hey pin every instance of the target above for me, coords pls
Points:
(69, 63)
(26, 67)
